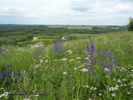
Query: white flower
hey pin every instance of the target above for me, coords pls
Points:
(128, 92)
(87, 58)
(64, 59)
(119, 80)
(106, 69)
(81, 66)
(95, 88)
(125, 85)
(41, 69)
(75, 68)
(69, 51)
(120, 70)
(71, 60)
(27, 99)
(85, 86)
(131, 83)
(55, 60)
(124, 79)
(117, 86)
(84, 70)
(46, 60)
(100, 94)
(65, 73)
(37, 65)
(113, 94)
(113, 88)
(41, 60)
(4, 94)
(78, 57)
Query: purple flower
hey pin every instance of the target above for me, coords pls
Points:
(58, 43)
(55, 48)
(37, 51)
(24, 60)
(87, 48)
(22, 75)
(17, 79)
(76, 47)
(104, 66)
(40, 47)
(97, 74)
(111, 56)
(50, 47)
(92, 48)
(2, 74)
(100, 53)
(108, 55)
(7, 65)
(105, 52)
(102, 62)
(93, 72)
(36, 56)
(110, 72)
(10, 73)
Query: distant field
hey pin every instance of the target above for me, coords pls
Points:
(40, 39)
(47, 37)
(82, 35)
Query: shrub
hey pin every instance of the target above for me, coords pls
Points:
(130, 26)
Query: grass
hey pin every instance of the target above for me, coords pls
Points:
(82, 35)
(72, 75)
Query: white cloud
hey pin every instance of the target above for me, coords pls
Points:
(66, 11)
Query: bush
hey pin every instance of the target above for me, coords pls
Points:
(0, 43)
(130, 26)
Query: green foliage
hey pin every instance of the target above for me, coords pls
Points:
(0, 43)
(130, 26)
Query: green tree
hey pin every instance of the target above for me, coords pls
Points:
(130, 26)
(0, 44)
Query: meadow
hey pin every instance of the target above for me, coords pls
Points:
(99, 67)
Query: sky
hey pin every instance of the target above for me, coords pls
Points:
(66, 12)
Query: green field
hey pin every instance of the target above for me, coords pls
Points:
(69, 71)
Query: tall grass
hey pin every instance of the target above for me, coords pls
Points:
(99, 68)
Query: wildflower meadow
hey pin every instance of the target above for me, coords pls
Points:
(96, 68)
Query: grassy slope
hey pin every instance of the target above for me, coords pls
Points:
(48, 74)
